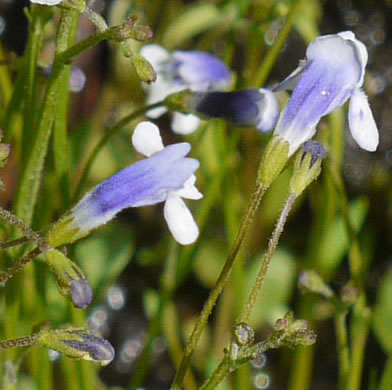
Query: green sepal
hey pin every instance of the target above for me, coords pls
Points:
(63, 231)
(275, 158)
(64, 270)
(305, 171)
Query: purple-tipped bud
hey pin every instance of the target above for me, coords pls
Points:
(71, 280)
(97, 349)
(252, 107)
(77, 344)
(243, 334)
(317, 151)
(81, 293)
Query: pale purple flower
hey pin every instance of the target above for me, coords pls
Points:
(251, 107)
(180, 70)
(332, 73)
(165, 176)
(47, 2)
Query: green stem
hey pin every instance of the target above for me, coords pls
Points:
(5, 82)
(209, 199)
(11, 271)
(360, 329)
(168, 280)
(386, 379)
(224, 275)
(30, 234)
(170, 327)
(218, 375)
(100, 23)
(20, 342)
(270, 58)
(36, 28)
(111, 33)
(96, 19)
(10, 244)
(342, 346)
(226, 366)
(109, 134)
(61, 147)
(272, 245)
(355, 258)
(26, 197)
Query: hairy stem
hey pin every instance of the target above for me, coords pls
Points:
(272, 245)
(223, 277)
(11, 271)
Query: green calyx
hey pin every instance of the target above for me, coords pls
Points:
(64, 270)
(63, 232)
(180, 101)
(275, 157)
(306, 169)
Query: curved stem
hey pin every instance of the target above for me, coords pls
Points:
(224, 275)
(342, 346)
(21, 342)
(12, 243)
(272, 245)
(29, 233)
(30, 180)
(11, 271)
(109, 134)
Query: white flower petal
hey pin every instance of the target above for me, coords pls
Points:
(156, 112)
(361, 50)
(362, 125)
(157, 92)
(180, 220)
(189, 191)
(156, 55)
(269, 111)
(185, 124)
(47, 2)
(146, 138)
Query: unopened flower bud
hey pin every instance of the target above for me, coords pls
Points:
(299, 325)
(305, 338)
(307, 166)
(349, 294)
(71, 280)
(77, 344)
(142, 34)
(144, 70)
(243, 334)
(310, 281)
(251, 107)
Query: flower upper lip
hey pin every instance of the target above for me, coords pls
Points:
(332, 73)
(180, 70)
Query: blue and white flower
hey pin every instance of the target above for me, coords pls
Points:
(332, 73)
(165, 176)
(251, 107)
(195, 70)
